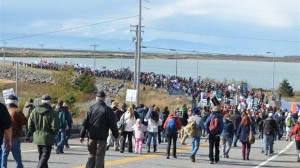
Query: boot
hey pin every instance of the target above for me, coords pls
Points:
(154, 148)
(148, 148)
(298, 151)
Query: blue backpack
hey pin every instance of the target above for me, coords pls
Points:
(171, 128)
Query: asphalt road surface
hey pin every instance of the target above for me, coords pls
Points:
(76, 157)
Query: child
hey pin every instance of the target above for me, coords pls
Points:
(139, 130)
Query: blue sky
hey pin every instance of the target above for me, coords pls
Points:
(226, 26)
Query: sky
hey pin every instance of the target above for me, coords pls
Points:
(248, 27)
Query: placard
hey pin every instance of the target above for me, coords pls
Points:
(7, 92)
(131, 95)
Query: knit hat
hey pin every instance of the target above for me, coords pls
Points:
(270, 115)
(46, 97)
(101, 94)
(12, 99)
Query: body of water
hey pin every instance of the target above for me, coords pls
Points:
(257, 74)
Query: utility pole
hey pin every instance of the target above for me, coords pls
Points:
(273, 76)
(139, 42)
(121, 58)
(134, 39)
(17, 74)
(4, 45)
(62, 53)
(42, 45)
(94, 58)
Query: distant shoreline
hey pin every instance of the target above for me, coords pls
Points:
(127, 55)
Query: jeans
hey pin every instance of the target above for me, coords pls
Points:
(246, 146)
(195, 145)
(226, 145)
(61, 139)
(97, 151)
(16, 152)
(235, 138)
(170, 138)
(44, 155)
(214, 142)
(150, 136)
(268, 146)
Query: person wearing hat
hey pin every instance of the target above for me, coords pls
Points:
(270, 127)
(99, 119)
(199, 126)
(44, 124)
(17, 121)
(214, 127)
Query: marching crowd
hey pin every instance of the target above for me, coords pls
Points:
(121, 125)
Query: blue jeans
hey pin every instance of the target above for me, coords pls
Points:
(61, 139)
(268, 146)
(226, 145)
(16, 152)
(195, 145)
(150, 136)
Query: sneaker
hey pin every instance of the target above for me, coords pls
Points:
(56, 150)
(211, 162)
(117, 149)
(192, 157)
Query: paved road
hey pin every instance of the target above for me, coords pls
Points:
(76, 157)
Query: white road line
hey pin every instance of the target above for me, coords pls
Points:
(35, 150)
(273, 157)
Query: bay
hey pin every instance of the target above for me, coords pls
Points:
(257, 74)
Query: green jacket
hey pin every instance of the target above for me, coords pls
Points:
(44, 124)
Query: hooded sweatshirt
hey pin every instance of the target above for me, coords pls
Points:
(44, 124)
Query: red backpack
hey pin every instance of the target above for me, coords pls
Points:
(214, 126)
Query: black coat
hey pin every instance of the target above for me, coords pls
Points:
(100, 118)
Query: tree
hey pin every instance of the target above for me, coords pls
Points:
(86, 83)
(63, 86)
(285, 89)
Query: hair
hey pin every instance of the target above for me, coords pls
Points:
(99, 99)
(30, 100)
(130, 110)
(245, 120)
(156, 109)
(60, 102)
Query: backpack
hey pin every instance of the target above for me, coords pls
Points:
(214, 126)
(288, 122)
(62, 119)
(171, 128)
(191, 128)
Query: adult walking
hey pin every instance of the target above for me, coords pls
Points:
(17, 120)
(184, 122)
(214, 127)
(44, 124)
(64, 122)
(129, 119)
(199, 126)
(289, 123)
(99, 119)
(28, 107)
(152, 129)
(171, 126)
(5, 129)
(243, 135)
(270, 127)
(236, 120)
(227, 135)
(296, 132)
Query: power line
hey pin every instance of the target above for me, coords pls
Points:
(226, 36)
(72, 28)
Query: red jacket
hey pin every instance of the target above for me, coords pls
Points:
(177, 121)
(296, 132)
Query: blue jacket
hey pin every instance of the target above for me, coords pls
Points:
(243, 132)
(228, 130)
(207, 122)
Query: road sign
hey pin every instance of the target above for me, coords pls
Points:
(176, 92)
(244, 89)
(131, 95)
